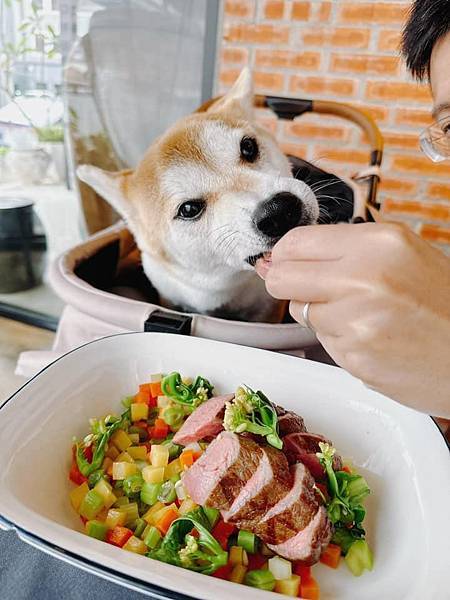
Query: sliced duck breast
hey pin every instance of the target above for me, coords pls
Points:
(221, 472)
(270, 482)
(292, 512)
(205, 421)
(288, 421)
(302, 447)
(308, 544)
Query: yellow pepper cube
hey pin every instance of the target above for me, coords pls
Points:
(186, 506)
(238, 556)
(238, 573)
(139, 411)
(124, 457)
(105, 491)
(134, 544)
(159, 455)
(77, 495)
(138, 452)
(122, 470)
(121, 440)
(134, 437)
(288, 587)
(153, 474)
(173, 468)
(107, 463)
(150, 514)
(112, 452)
(115, 517)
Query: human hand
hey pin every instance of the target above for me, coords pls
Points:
(380, 305)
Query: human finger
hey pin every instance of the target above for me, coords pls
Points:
(305, 281)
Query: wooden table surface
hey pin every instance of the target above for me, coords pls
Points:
(16, 337)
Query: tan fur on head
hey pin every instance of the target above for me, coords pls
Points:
(201, 264)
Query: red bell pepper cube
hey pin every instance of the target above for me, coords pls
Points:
(222, 532)
(309, 588)
(160, 430)
(74, 474)
(155, 389)
(118, 536)
(256, 561)
(302, 570)
(223, 572)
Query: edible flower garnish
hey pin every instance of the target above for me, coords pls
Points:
(252, 412)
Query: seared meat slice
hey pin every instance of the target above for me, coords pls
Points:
(302, 447)
(218, 476)
(308, 544)
(205, 421)
(288, 421)
(292, 512)
(269, 483)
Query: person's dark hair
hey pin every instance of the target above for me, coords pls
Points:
(428, 21)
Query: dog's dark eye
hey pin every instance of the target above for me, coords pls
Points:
(249, 149)
(191, 209)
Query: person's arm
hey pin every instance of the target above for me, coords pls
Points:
(380, 304)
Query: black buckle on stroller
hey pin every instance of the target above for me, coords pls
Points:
(165, 322)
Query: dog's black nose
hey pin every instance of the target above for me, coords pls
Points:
(278, 215)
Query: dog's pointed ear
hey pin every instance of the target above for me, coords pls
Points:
(109, 185)
(239, 99)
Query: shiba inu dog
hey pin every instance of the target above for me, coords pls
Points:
(206, 205)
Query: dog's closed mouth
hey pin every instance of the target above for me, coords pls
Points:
(261, 262)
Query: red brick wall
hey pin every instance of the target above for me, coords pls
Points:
(347, 51)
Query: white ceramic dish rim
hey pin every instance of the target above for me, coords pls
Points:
(86, 564)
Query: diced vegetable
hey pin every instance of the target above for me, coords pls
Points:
(153, 474)
(121, 440)
(238, 556)
(97, 530)
(107, 464)
(248, 541)
(121, 501)
(134, 437)
(173, 468)
(77, 495)
(137, 452)
(122, 470)
(180, 490)
(288, 587)
(139, 411)
(212, 514)
(105, 490)
(150, 514)
(159, 455)
(150, 492)
(112, 452)
(309, 588)
(75, 474)
(187, 458)
(115, 517)
(331, 556)
(359, 557)
(187, 506)
(132, 484)
(238, 573)
(124, 457)
(155, 389)
(156, 377)
(152, 537)
(140, 527)
(118, 536)
(165, 518)
(280, 567)
(136, 545)
(167, 493)
(160, 429)
(131, 511)
(91, 505)
(261, 579)
(222, 532)
(223, 572)
(256, 561)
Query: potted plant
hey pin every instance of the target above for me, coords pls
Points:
(30, 152)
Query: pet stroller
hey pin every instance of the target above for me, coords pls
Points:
(124, 84)
(106, 291)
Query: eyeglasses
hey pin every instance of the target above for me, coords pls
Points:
(435, 140)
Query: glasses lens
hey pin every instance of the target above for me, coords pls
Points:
(431, 149)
